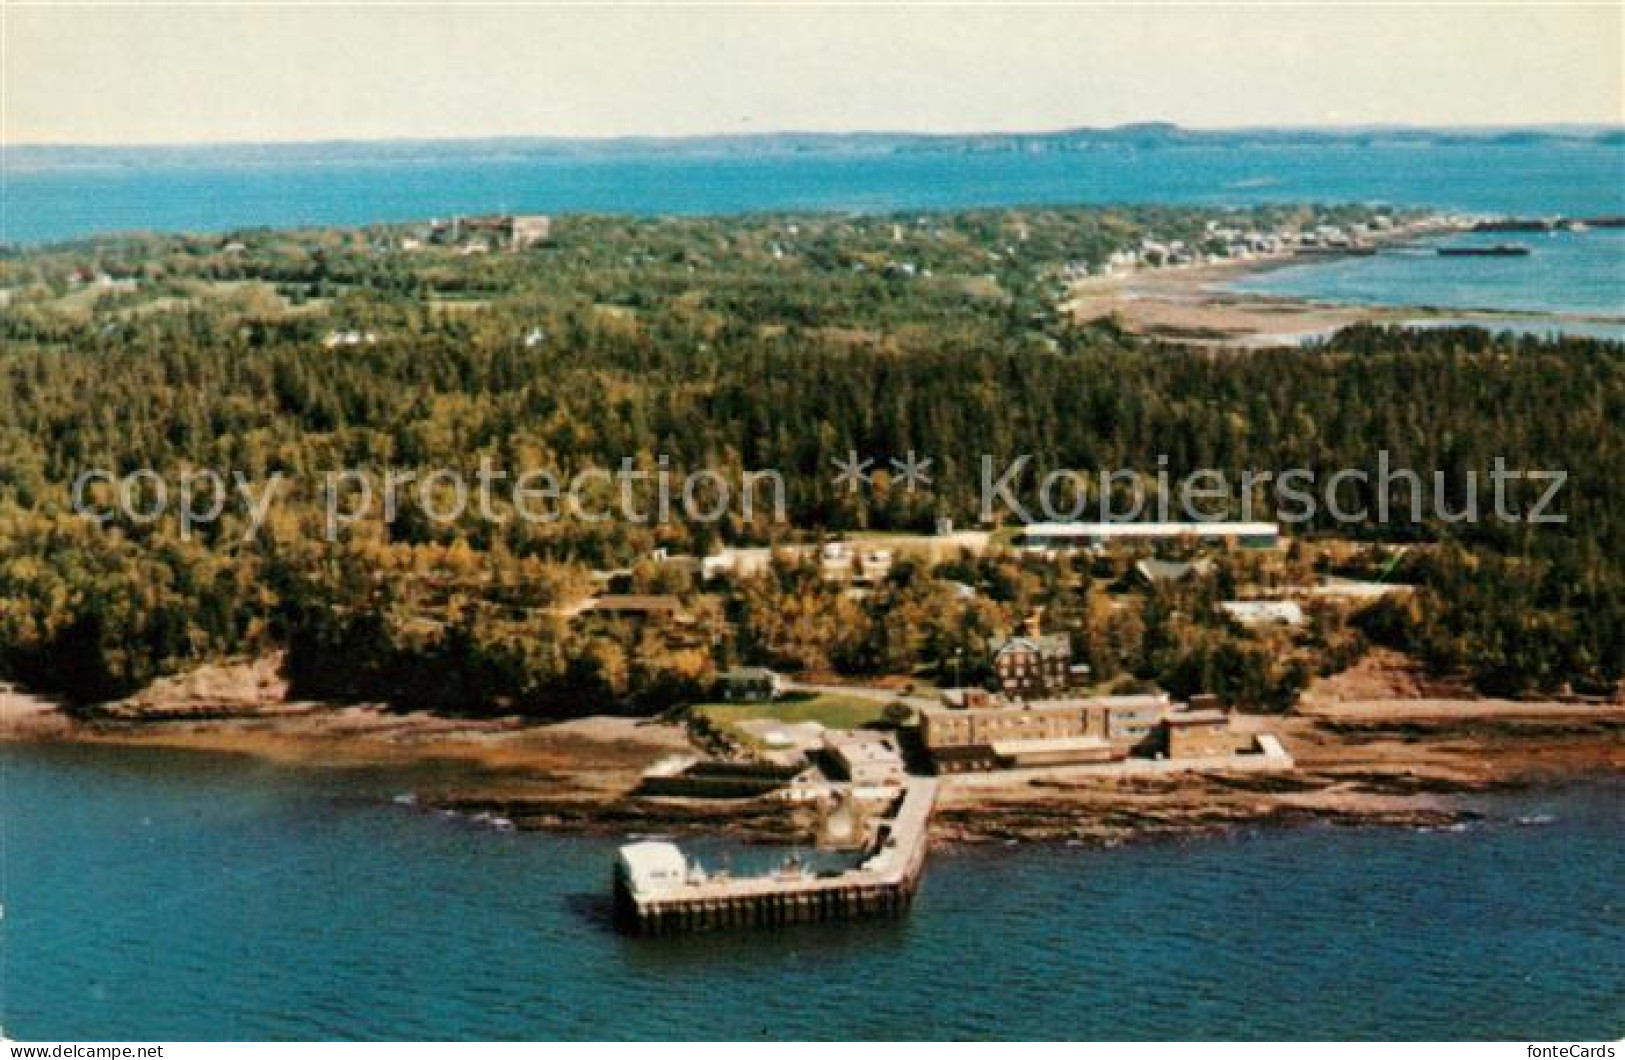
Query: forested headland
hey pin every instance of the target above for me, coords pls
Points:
(780, 342)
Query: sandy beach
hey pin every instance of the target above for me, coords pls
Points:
(1187, 304)
(1191, 304)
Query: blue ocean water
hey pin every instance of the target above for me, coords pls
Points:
(1578, 272)
(153, 894)
(52, 197)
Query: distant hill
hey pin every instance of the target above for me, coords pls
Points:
(1144, 135)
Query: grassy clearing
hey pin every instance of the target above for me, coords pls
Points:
(831, 711)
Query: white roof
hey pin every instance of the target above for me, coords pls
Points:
(653, 865)
(1123, 702)
(1350, 588)
(1197, 529)
(859, 746)
(671, 765)
(1286, 611)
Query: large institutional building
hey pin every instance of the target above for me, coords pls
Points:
(985, 734)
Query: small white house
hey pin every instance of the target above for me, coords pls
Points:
(874, 564)
(349, 337)
(836, 559)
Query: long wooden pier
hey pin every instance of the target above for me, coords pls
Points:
(882, 884)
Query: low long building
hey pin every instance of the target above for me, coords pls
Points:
(1264, 612)
(1051, 537)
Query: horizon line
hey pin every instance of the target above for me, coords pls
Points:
(648, 137)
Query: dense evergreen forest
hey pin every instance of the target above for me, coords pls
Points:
(771, 342)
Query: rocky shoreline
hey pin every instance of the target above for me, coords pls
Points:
(1394, 762)
(1082, 812)
(759, 820)
(1044, 820)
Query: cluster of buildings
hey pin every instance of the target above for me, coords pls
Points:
(857, 562)
(837, 560)
(797, 761)
(1035, 719)
(1035, 710)
(1033, 716)
(496, 232)
(859, 778)
(840, 561)
(860, 561)
(1221, 242)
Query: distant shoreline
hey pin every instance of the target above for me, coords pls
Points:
(1146, 133)
(62, 193)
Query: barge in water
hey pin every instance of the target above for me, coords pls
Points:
(1498, 250)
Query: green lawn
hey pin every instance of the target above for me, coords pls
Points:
(831, 711)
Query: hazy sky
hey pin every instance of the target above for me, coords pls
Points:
(154, 74)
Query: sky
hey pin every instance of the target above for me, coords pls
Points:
(165, 73)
